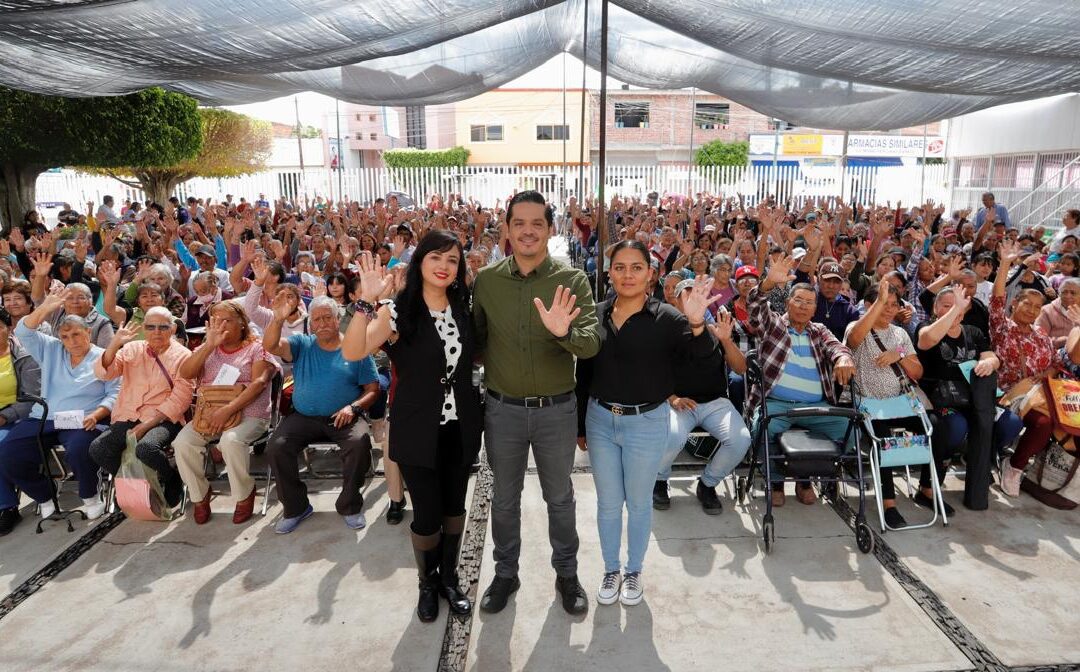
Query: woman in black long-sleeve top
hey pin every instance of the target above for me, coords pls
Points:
(628, 417)
(435, 412)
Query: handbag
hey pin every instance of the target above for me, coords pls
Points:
(905, 382)
(138, 490)
(954, 394)
(210, 399)
(1051, 477)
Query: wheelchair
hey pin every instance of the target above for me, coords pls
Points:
(800, 455)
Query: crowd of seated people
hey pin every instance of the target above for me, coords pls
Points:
(123, 323)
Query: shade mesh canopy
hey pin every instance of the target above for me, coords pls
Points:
(844, 64)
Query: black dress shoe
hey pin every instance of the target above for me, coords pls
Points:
(574, 600)
(498, 593)
(923, 500)
(710, 503)
(396, 513)
(893, 518)
(9, 518)
(660, 499)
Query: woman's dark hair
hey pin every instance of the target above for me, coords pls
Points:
(1075, 258)
(410, 300)
(5, 317)
(632, 245)
(338, 279)
(277, 270)
(899, 275)
(530, 196)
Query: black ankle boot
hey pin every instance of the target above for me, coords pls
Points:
(427, 565)
(448, 587)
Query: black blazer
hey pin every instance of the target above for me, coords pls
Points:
(416, 409)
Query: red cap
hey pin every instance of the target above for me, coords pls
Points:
(746, 270)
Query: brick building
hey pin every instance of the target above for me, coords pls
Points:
(646, 127)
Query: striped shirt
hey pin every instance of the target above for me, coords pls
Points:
(799, 380)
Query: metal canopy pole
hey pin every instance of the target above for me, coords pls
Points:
(601, 238)
(340, 157)
(580, 191)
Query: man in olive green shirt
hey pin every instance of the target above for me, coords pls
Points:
(533, 316)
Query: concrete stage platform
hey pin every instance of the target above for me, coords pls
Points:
(994, 590)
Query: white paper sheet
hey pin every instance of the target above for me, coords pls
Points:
(68, 419)
(227, 375)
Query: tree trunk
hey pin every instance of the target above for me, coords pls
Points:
(159, 186)
(17, 193)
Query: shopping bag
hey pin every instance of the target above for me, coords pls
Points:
(138, 492)
(1063, 400)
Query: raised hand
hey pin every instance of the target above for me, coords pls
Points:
(215, 332)
(695, 305)
(1009, 251)
(1074, 314)
(16, 238)
(54, 299)
(725, 325)
(962, 302)
(283, 305)
(260, 270)
(780, 272)
(42, 264)
(125, 334)
(108, 273)
(562, 313)
(374, 279)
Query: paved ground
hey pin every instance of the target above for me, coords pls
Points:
(225, 597)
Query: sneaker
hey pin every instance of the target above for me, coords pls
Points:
(923, 500)
(660, 499)
(9, 518)
(356, 521)
(1010, 479)
(396, 513)
(893, 519)
(46, 508)
(287, 525)
(573, 597)
(93, 507)
(498, 593)
(632, 589)
(710, 503)
(608, 592)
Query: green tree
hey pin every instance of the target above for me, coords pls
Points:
(232, 144)
(721, 153)
(425, 158)
(37, 132)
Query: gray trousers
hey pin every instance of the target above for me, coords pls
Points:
(509, 431)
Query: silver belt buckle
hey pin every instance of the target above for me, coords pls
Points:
(536, 402)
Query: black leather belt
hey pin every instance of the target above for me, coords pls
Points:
(619, 409)
(532, 402)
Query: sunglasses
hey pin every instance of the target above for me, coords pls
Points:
(157, 327)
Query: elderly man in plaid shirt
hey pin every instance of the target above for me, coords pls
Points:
(799, 360)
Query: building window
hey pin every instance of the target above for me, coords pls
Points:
(710, 116)
(783, 125)
(553, 132)
(374, 136)
(359, 117)
(631, 115)
(481, 133)
(371, 117)
(415, 127)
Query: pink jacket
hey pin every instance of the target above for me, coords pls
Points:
(1055, 322)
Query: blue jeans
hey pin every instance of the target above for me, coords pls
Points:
(625, 453)
(20, 460)
(736, 390)
(720, 419)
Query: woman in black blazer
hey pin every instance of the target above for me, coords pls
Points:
(435, 419)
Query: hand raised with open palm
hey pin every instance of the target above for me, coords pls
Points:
(562, 313)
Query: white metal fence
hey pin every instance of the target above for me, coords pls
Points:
(1036, 188)
(909, 184)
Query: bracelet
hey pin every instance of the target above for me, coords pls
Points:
(364, 308)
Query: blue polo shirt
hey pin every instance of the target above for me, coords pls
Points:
(325, 382)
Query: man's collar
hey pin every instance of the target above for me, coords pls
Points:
(543, 268)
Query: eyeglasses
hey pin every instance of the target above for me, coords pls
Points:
(157, 327)
(803, 303)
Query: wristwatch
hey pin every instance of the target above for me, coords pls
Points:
(357, 409)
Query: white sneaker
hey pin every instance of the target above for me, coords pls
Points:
(47, 508)
(93, 507)
(609, 588)
(632, 589)
(1010, 479)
